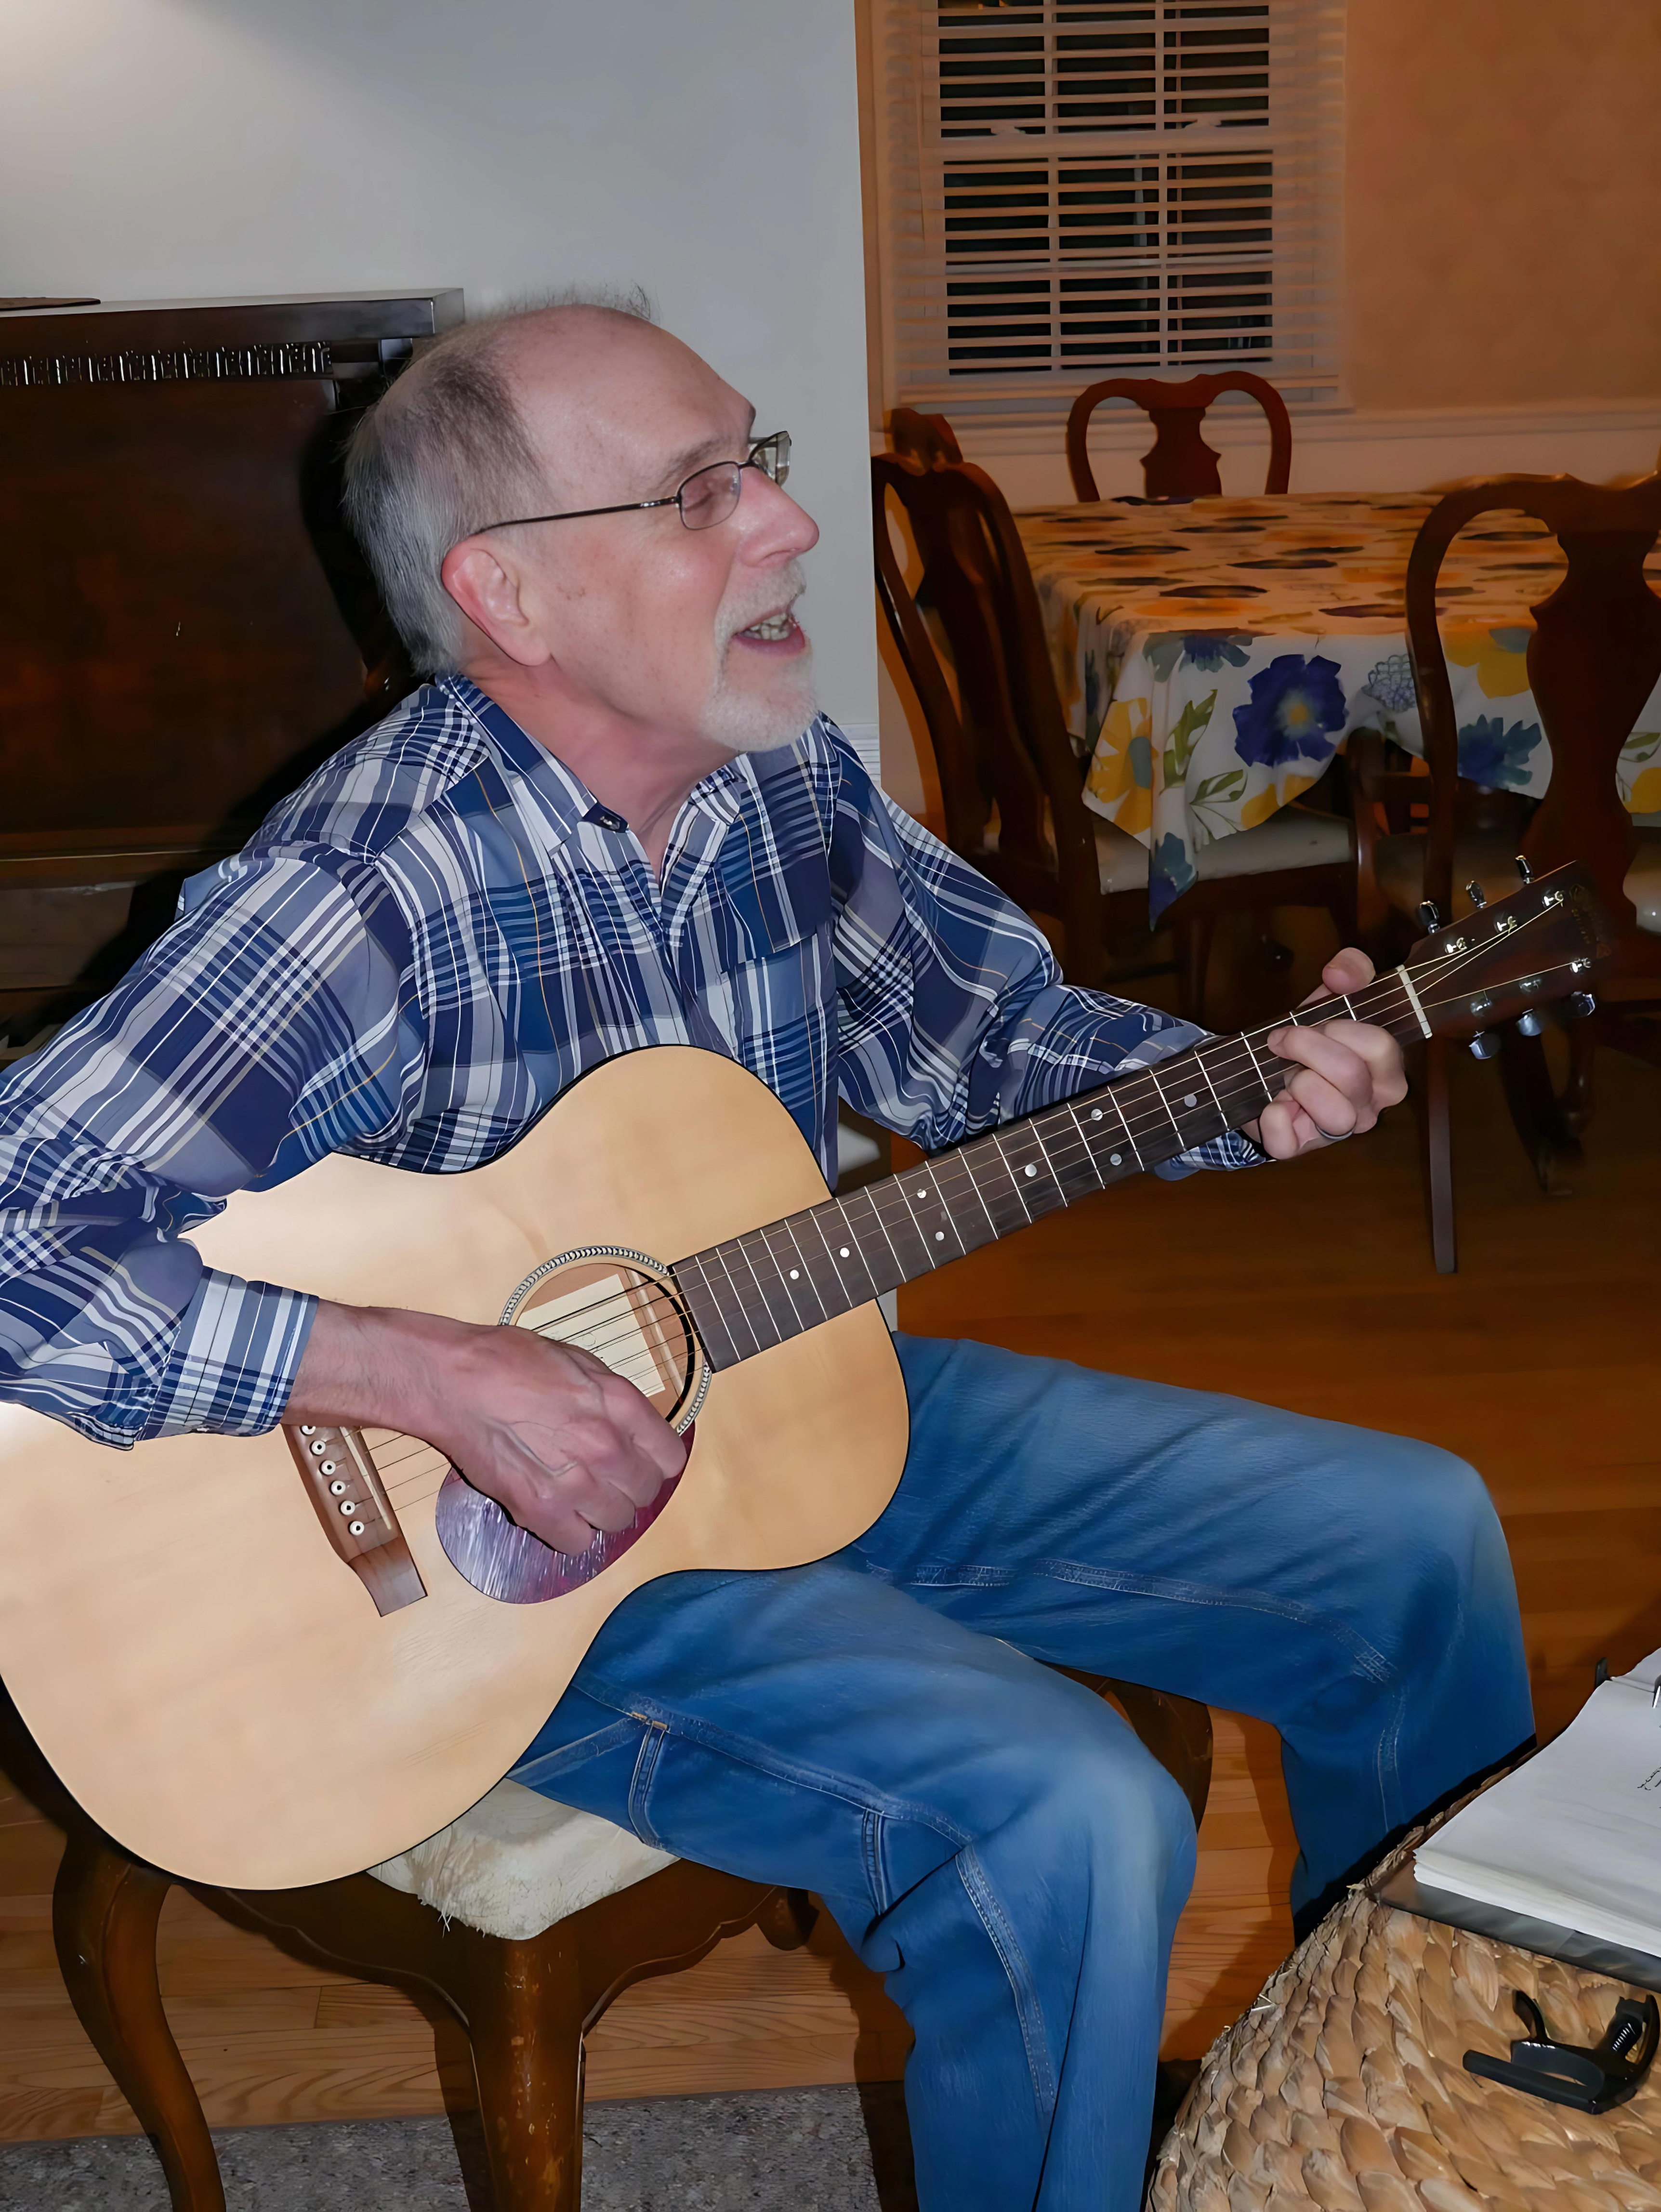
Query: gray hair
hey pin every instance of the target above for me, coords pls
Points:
(443, 453)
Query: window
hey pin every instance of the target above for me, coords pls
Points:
(1072, 188)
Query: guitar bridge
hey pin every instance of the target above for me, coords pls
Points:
(351, 1502)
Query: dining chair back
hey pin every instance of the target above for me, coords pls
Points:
(996, 723)
(1000, 741)
(1593, 663)
(928, 440)
(1179, 464)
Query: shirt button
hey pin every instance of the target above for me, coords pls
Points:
(603, 818)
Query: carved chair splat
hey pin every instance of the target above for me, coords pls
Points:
(1179, 465)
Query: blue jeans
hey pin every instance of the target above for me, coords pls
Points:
(989, 1835)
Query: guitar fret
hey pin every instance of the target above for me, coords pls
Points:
(1256, 1065)
(740, 1298)
(779, 1306)
(997, 1144)
(879, 1282)
(1199, 1062)
(709, 1318)
(1113, 1097)
(839, 1208)
(798, 1283)
(1153, 1077)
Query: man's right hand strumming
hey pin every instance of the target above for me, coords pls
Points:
(562, 1444)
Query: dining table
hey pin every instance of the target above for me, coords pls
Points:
(1212, 655)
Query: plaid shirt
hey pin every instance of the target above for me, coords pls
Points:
(417, 953)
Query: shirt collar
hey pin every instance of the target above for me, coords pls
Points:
(564, 798)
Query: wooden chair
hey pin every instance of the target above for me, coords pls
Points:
(1179, 464)
(928, 440)
(1000, 743)
(526, 1995)
(1593, 662)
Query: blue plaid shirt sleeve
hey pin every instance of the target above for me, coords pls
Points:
(272, 1015)
(952, 1013)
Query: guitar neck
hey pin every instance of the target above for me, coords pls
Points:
(754, 1291)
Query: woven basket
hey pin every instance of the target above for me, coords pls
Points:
(1344, 2087)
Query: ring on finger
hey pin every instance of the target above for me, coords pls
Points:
(1332, 1136)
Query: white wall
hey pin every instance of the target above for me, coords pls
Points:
(707, 149)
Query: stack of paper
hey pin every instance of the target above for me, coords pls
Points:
(1575, 1835)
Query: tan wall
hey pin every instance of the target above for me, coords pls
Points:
(1504, 201)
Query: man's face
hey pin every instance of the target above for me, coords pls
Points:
(686, 632)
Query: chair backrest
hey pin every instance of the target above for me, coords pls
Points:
(1593, 661)
(928, 440)
(1179, 464)
(1003, 740)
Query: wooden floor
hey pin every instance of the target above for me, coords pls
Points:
(1311, 1287)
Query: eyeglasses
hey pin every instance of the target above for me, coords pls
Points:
(708, 497)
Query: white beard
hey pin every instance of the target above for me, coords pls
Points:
(761, 721)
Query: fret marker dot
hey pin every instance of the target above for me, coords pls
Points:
(794, 1273)
(939, 1236)
(1096, 1114)
(1114, 1158)
(922, 1194)
(1190, 1100)
(845, 1251)
(1031, 1171)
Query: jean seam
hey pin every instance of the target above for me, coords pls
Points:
(826, 1782)
(1018, 1973)
(640, 1786)
(1372, 1660)
(871, 1841)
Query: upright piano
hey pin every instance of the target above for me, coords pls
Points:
(186, 626)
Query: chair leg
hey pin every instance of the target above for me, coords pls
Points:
(105, 1909)
(1195, 956)
(525, 2015)
(1438, 1156)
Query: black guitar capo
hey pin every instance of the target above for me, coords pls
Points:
(1569, 2073)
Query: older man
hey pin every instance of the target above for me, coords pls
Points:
(613, 820)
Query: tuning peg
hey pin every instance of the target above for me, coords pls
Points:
(1475, 894)
(1429, 918)
(1577, 1005)
(1523, 870)
(1530, 1025)
(1484, 1045)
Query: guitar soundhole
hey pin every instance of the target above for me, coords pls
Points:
(631, 1316)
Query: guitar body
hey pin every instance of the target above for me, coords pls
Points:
(215, 1683)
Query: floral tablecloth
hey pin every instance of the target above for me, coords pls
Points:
(1213, 657)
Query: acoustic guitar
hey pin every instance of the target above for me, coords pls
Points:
(270, 1661)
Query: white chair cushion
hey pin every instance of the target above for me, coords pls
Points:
(517, 1862)
(1296, 837)
(1643, 884)
(1120, 860)
(1290, 839)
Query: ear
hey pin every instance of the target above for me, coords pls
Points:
(486, 589)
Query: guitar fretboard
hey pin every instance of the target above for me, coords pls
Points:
(755, 1290)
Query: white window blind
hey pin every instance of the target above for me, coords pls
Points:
(1072, 188)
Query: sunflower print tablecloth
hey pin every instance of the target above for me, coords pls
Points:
(1213, 657)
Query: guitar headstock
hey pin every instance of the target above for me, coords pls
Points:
(1544, 943)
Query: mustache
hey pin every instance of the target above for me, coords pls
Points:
(784, 589)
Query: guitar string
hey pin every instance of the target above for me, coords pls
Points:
(1235, 1089)
(1378, 986)
(405, 1489)
(662, 1301)
(1211, 1071)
